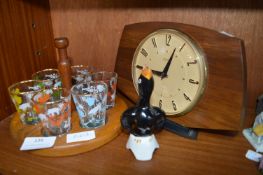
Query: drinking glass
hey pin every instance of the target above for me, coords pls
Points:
(50, 78)
(81, 73)
(21, 94)
(90, 99)
(53, 109)
(110, 78)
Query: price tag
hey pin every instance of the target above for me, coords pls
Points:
(81, 136)
(31, 143)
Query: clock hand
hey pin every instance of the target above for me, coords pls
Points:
(155, 72)
(167, 66)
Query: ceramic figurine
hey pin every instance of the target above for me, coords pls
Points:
(143, 120)
(255, 134)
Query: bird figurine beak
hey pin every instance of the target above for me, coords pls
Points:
(147, 73)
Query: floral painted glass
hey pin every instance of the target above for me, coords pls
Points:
(81, 73)
(90, 100)
(21, 94)
(53, 109)
(110, 78)
(50, 78)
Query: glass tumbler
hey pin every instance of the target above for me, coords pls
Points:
(90, 99)
(110, 78)
(81, 73)
(50, 78)
(21, 94)
(53, 109)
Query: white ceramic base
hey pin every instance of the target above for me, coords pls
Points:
(142, 147)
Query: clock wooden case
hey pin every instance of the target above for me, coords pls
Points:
(222, 100)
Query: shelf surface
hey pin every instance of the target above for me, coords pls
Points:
(214, 153)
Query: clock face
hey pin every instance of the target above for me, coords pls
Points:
(178, 66)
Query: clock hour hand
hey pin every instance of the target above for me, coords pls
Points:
(155, 72)
(167, 66)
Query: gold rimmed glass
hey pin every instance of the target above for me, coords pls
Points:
(50, 78)
(53, 109)
(21, 94)
(110, 78)
(90, 99)
(81, 73)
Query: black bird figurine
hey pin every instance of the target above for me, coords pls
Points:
(143, 119)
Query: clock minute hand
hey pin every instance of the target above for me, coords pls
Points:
(155, 72)
(167, 66)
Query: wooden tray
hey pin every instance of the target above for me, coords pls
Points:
(61, 148)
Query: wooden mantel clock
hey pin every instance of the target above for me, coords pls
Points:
(199, 74)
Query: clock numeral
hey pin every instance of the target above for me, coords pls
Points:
(160, 103)
(174, 105)
(139, 67)
(193, 81)
(182, 47)
(168, 39)
(186, 97)
(154, 42)
(144, 52)
(193, 62)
